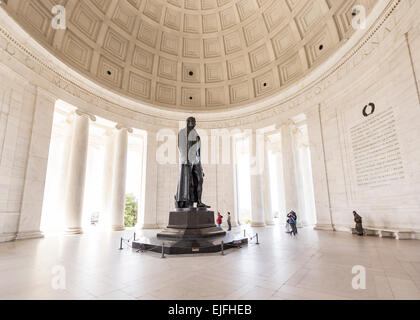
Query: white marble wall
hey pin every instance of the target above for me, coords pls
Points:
(36, 170)
(388, 78)
(26, 117)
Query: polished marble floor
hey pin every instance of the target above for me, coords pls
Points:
(314, 265)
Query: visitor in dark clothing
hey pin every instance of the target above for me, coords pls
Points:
(292, 220)
(358, 221)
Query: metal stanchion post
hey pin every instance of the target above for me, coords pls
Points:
(257, 238)
(244, 233)
(222, 246)
(121, 240)
(134, 237)
(163, 250)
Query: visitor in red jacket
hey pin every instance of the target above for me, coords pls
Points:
(219, 220)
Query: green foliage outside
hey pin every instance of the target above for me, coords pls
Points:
(131, 210)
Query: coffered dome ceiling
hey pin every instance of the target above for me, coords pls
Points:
(195, 55)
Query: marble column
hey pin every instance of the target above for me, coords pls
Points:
(65, 161)
(226, 183)
(105, 218)
(77, 173)
(257, 171)
(268, 210)
(149, 219)
(301, 183)
(289, 168)
(119, 178)
(324, 218)
(281, 198)
(36, 169)
(301, 191)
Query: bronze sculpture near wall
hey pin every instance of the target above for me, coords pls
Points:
(190, 182)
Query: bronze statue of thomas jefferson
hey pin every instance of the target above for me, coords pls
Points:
(190, 183)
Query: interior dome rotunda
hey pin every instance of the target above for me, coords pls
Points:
(193, 55)
(284, 132)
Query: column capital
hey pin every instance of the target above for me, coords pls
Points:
(288, 123)
(45, 93)
(82, 113)
(123, 127)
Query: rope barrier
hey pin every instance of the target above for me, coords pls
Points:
(127, 242)
(252, 237)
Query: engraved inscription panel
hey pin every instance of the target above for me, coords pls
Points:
(376, 150)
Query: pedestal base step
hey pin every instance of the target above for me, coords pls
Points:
(189, 246)
(191, 223)
(173, 233)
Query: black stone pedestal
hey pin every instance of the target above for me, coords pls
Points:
(191, 223)
(190, 246)
(189, 231)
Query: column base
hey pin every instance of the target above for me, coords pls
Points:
(270, 223)
(6, 237)
(118, 228)
(324, 227)
(29, 235)
(70, 231)
(148, 226)
(257, 224)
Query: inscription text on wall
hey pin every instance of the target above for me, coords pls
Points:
(376, 149)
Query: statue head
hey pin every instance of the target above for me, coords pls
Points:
(191, 123)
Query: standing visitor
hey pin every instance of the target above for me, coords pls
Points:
(219, 220)
(358, 221)
(228, 222)
(294, 215)
(291, 220)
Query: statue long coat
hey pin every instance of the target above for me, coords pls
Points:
(189, 159)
